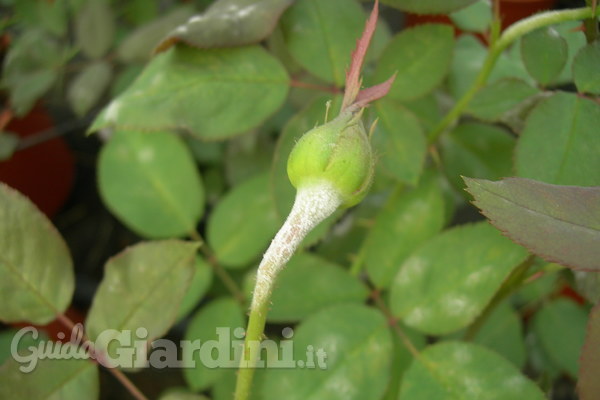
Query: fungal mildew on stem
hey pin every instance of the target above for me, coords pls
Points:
(331, 166)
(312, 205)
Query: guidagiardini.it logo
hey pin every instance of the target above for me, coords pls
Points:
(131, 349)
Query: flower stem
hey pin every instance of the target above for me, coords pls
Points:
(511, 34)
(312, 205)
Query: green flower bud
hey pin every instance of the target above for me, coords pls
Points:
(337, 152)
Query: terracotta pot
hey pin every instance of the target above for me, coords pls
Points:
(510, 10)
(515, 10)
(54, 328)
(43, 172)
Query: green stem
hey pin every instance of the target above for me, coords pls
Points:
(513, 282)
(464, 101)
(510, 35)
(251, 354)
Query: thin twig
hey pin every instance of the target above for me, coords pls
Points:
(49, 134)
(5, 117)
(227, 280)
(128, 384)
(393, 321)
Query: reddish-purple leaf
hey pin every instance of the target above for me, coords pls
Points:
(353, 80)
(373, 93)
(558, 223)
(589, 362)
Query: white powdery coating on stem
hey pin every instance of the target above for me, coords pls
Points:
(312, 205)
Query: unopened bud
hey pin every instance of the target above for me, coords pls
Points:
(338, 153)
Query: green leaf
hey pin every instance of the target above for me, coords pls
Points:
(561, 133)
(455, 370)
(494, 101)
(142, 289)
(426, 109)
(545, 54)
(587, 284)
(560, 327)
(503, 333)
(402, 359)
(478, 150)
(320, 35)
(529, 294)
(228, 23)
(243, 223)
(558, 223)
(404, 223)
(49, 15)
(8, 144)
(150, 181)
(138, 45)
(36, 270)
(200, 284)
(449, 280)
(475, 18)
(575, 36)
(22, 346)
(429, 6)
(588, 385)
(95, 28)
(69, 379)
(357, 343)
(213, 94)
(210, 153)
(124, 78)
(469, 56)
(585, 69)
(30, 69)
(222, 313)
(421, 56)
(305, 287)
(138, 12)
(88, 86)
(180, 394)
(247, 155)
(399, 142)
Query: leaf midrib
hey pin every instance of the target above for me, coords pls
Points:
(584, 227)
(69, 378)
(164, 194)
(142, 300)
(15, 271)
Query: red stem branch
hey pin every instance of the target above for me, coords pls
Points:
(128, 384)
